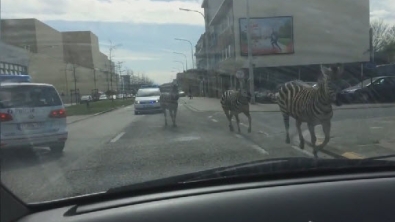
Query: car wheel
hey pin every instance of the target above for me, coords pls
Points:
(57, 148)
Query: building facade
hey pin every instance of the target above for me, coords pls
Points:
(13, 60)
(288, 41)
(71, 61)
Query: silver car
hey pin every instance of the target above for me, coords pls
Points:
(147, 100)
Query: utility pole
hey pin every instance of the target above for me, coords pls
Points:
(112, 47)
(250, 66)
(119, 75)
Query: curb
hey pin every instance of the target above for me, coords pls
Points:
(96, 114)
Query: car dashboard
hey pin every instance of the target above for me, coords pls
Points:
(347, 197)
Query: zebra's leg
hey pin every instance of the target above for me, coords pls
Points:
(229, 117)
(326, 127)
(313, 138)
(301, 139)
(175, 115)
(286, 123)
(238, 122)
(164, 112)
(247, 113)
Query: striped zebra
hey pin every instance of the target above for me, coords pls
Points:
(169, 101)
(311, 105)
(235, 102)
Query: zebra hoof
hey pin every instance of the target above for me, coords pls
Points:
(287, 140)
(249, 130)
(231, 129)
(301, 146)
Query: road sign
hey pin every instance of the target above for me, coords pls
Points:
(240, 74)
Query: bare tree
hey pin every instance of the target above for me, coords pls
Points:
(383, 39)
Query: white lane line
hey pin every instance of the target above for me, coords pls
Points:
(115, 139)
(210, 117)
(260, 149)
(303, 151)
(214, 120)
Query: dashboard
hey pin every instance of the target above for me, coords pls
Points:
(351, 197)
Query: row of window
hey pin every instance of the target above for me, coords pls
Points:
(12, 69)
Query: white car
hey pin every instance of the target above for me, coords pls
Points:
(147, 100)
(102, 97)
(32, 114)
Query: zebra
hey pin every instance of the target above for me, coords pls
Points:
(169, 100)
(234, 102)
(311, 105)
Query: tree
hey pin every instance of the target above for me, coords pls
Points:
(383, 41)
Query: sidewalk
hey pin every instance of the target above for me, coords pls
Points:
(203, 104)
(357, 138)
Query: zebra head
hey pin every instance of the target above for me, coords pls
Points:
(331, 75)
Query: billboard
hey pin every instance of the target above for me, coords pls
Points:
(269, 35)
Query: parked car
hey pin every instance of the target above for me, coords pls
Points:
(32, 114)
(103, 97)
(86, 98)
(378, 89)
(182, 93)
(147, 100)
(120, 96)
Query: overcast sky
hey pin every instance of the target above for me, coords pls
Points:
(145, 28)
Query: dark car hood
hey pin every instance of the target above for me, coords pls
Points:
(260, 168)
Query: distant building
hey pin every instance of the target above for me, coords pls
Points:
(13, 60)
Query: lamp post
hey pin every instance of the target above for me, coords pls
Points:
(205, 34)
(193, 63)
(183, 69)
(186, 61)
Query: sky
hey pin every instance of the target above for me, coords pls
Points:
(145, 29)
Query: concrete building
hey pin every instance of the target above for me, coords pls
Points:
(82, 48)
(200, 53)
(13, 60)
(304, 34)
(32, 35)
(71, 61)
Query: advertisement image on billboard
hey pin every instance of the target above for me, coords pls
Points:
(270, 35)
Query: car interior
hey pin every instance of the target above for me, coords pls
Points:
(336, 195)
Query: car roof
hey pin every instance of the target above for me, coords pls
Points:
(24, 84)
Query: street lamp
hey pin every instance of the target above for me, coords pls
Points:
(193, 63)
(183, 68)
(205, 34)
(250, 66)
(186, 61)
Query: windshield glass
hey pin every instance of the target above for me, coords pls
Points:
(28, 96)
(148, 92)
(238, 83)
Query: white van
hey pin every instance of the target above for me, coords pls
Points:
(32, 114)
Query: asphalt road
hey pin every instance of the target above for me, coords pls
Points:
(120, 148)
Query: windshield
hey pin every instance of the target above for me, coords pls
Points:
(28, 96)
(237, 83)
(148, 92)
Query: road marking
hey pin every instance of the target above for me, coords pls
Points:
(210, 117)
(115, 139)
(352, 155)
(187, 138)
(376, 127)
(303, 151)
(259, 149)
(214, 120)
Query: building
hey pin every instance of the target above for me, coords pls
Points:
(200, 53)
(303, 36)
(13, 60)
(33, 35)
(71, 61)
(82, 48)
